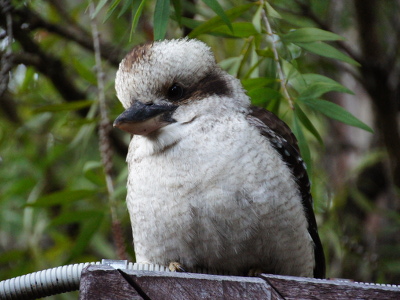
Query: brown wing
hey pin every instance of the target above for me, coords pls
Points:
(285, 143)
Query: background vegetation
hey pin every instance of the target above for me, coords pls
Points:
(62, 168)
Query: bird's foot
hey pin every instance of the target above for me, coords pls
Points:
(175, 266)
(255, 272)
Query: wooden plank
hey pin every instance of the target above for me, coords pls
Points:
(103, 282)
(188, 286)
(300, 288)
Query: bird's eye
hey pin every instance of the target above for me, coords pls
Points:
(175, 92)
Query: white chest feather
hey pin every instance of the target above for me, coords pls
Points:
(217, 197)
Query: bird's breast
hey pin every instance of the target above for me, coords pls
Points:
(211, 198)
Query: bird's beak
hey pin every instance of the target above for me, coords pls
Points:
(143, 118)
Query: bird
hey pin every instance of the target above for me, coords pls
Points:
(214, 183)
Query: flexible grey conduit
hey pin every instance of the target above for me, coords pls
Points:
(58, 280)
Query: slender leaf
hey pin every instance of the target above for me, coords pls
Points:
(293, 76)
(111, 9)
(217, 21)
(307, 123)
(93, 171)
(127, 5)
(239, 30)
(306, 35)
(254, 70)
(317, 78)
(257, 19)
(161, 16)
(74, 217)
(252, 83)
(70, 106)
(262, 96)
(246, 53)
(189, 23)
(63, 197)
(274, 105)
(317, 89)
(303, 144)
(335, 112)
(326, 50)
(138, 13)
(271, 11)
(88, 229)
(98, 8)
(265, 52)
(216, 7)
(83, 70)
(231, 64)
(28, 78)
(178, 10)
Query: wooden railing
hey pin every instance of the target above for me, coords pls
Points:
(104, 282)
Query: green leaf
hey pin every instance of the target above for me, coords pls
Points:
(257, 19)
(126, 6)
(217, 21)
(62, 197)
(74, 217)
(326, 50)
(94, 172)
(161, 16)
(262, 96)
(317, 89)
(335, 112)
(84, 71)
(70, 106)
(307, 123)
(178, 10)
(265, 52)
(362, 202)
(239, 30)
(306, 35)
(11, 255)
(111, 10)
(253, 83)
(98, 8)
(28, 79)
(293, 76)
(216, 7)
(136, 18)
(272, 12)
(311, 78)
(88, 229)
(231, 64)
(255, 68)
(303, 144)
(189, 23)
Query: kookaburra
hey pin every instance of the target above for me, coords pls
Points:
(214, 182)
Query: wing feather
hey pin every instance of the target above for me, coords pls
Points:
(285, 143)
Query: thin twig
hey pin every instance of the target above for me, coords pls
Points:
(281, 74)
(104, 140)
(73, 32)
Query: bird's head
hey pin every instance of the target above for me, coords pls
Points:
(170, 82)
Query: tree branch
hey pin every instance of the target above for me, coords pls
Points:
(281, 74)
(376, 77)
(71, 32)
(104, 140)
(51, 67)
